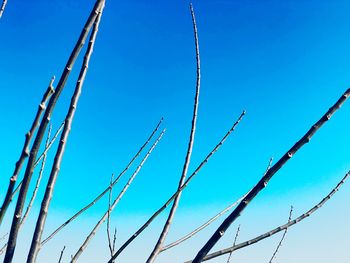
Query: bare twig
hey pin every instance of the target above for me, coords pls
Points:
(263, 181)
(61, 254)
(37, 142)
(277, 229)
(234, 243)
(25, 150)
(116, 201)
(105, 190)
(283, 236)
(110, 245)
(165, 205)
(172, 212)
(39, 228)
(2, 8)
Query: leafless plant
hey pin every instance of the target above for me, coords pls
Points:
(2, 8)
(234, 243)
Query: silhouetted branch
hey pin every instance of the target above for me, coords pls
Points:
(62, 251)
(2, 8)
(25, 150)
(173, 209)
(277, 229)
(165, 205)
(263, 182)
(39, 228)
(283, 236)
(105, 190)
(116, 201)
(37, 142)
(110, 245)
(234, 243)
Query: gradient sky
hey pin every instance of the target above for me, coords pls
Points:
(284, 62)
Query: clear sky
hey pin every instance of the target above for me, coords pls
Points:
(284, 62)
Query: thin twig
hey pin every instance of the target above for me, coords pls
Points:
(37, 142)
(2, 8)
(61, 254)
(110, 245)
(39, 228)
(165, 205)
(106, 190)
(283, 236)
(263, 181)
(234, 243)
(25, 150)
(175, 205)
(116, 201)
(277, 229)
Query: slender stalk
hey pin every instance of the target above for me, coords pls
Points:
(61, 254)
(40, 158)
(283, 237)
(175, 205)
(25, 150)
(2, 8)
(165, 205)
(234, 243)
(115, 202)
(37, 142)
(36, 241)
(277, 229)
(110, 244)
(105, 190)
(263, 182)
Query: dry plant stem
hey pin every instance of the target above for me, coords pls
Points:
(175, 205)
(61, 254)
(36, 188)
(211, 220)
(47, 148)
(39, 228)
(116, 201)
(25, 150)
(2, 8)
(234, 243)
(104, 191)
(165, 205)
(110, 245)
(277, 229)
(263, 182)
(283, 237)
(37, 142)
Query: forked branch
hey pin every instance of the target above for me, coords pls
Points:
(263, 182)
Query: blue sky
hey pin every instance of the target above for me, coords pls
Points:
(285, 62)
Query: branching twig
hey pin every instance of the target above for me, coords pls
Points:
(25, 150)
(283, 236)
(234, 243)
(263, 182)
(37, 142)
(173, 209)
(61, 254)
(115, 202)
(105, 190)
(110, 245)
(277, 229)
(39, 228)
(165, 205)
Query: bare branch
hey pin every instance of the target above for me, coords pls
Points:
(116, 201)
(277, 229)
(263, 182)
(283, 236)
(165, 205)
(171, 215)
(37, 142)
(25, 150)
(2, 8)
(39, 228)
(105, 190)
(234, 243)
(110, 245)
(62, 251)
